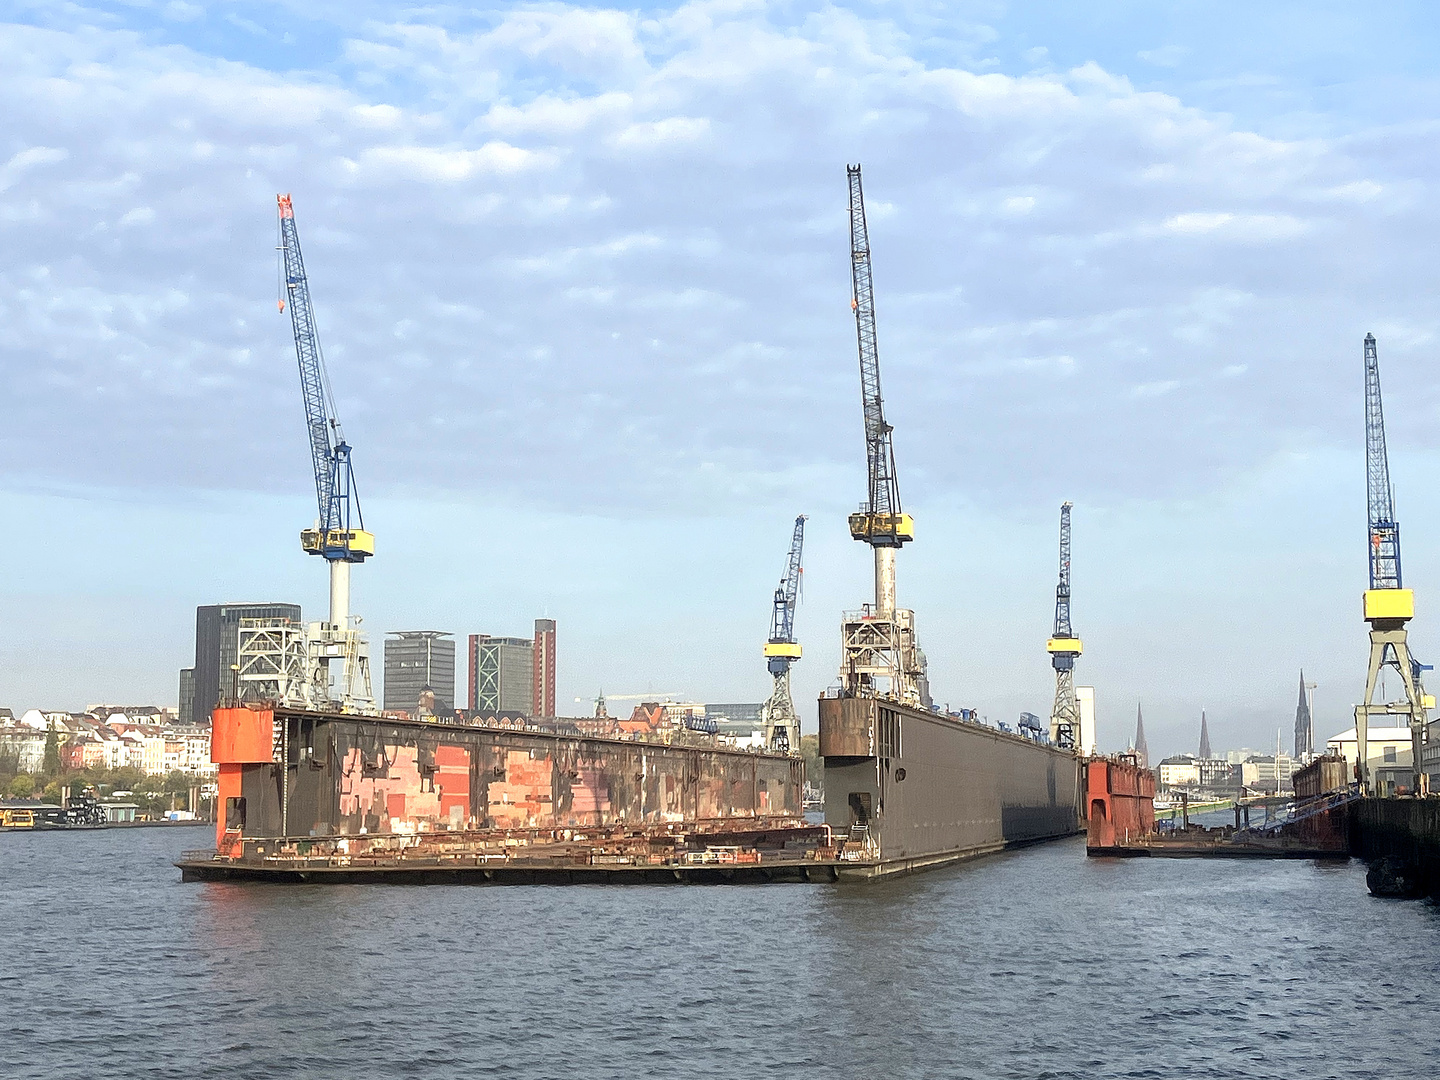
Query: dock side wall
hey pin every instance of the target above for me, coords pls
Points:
(931, 785)
(1407, 830)
(354, 775)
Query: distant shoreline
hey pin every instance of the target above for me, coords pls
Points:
(100, 828)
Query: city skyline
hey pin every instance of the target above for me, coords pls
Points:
(544, 300)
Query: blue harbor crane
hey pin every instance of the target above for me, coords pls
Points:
(881, 656)
(782, 725)
(339, 534)
(1064, 647)
(1388, 606)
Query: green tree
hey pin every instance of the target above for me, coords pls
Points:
(814, 763)
(22, 786)
(51, 766)
(51, 794)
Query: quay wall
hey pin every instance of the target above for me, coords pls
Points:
(1405, 830)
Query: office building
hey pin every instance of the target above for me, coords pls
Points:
(416, 661)
(542, 692)
(502, 675)
(187, 695)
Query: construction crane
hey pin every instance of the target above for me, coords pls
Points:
(339, 534)
(1063, 648)
(782, 725)
(879, 643)
(1388, 606)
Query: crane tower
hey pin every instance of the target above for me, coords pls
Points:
(1064, 648)
(339, 656)
(1388, 606)
(782, 724)
(880, 656)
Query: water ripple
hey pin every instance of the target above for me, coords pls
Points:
(1032, 964)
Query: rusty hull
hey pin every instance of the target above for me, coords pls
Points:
(353, 776)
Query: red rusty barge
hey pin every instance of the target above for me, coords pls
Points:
(318, 796)
(1121, 796)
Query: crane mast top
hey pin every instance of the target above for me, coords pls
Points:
(880, 523)
(1063, 645)
(781, 649)
(1380, 496)
(339, 533)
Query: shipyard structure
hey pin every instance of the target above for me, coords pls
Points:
(317, 792)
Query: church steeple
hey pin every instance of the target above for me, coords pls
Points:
(1141, 750)
(1204, 736)
(1304, 724)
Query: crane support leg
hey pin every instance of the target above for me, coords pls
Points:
(782, 726)
(1389, 648)
(1065, 716)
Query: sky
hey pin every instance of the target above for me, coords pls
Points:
(581, 279)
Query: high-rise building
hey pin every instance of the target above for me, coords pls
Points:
(1205, 754)
(1304, 725)
(542, 692)
(502, 675)
(416, 661)
(217, 648)
(187, 695)
(1085, 705)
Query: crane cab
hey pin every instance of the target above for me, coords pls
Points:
(884, 530)
(351, 545)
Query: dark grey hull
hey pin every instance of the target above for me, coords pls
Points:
(920, 790)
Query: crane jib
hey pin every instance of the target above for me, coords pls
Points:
(1384, 530)
(882, 522)
(340, 530)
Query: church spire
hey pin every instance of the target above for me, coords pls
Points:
(1204, 736)
(1141, 750)
(1304, 724)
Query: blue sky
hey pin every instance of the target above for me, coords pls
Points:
(581, 278)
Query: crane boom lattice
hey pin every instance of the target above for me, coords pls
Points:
(340, 528)
(1380, 496)
(881, 522)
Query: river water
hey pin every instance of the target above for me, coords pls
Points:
(1036, 963)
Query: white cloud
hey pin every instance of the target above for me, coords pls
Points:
(658, 133)
(434, 163)
(592, 208)
(29, 158)
(1242, 227)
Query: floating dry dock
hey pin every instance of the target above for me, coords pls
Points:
(312, 796)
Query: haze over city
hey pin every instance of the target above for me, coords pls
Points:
(582, 279)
